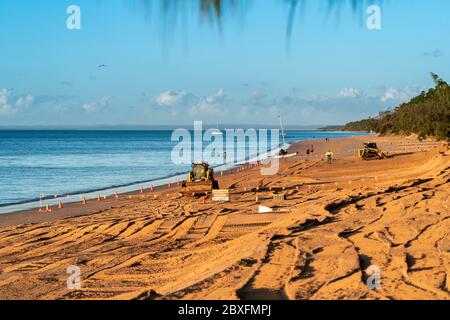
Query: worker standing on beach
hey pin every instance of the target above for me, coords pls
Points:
(329, 156)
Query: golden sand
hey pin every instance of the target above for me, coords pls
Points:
(338, 220)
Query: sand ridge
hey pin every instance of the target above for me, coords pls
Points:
(337, 222)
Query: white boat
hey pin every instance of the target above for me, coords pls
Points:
(217, 131)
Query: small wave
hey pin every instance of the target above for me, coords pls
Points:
(134, 186)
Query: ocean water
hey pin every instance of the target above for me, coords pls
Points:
(35, 164)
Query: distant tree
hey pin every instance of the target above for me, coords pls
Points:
(427, 115)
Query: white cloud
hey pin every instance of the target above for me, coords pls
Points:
(204, 107)
(5, 107)
(390, 94)
(93, 106)
(171, 98)
(104, 101)
(209, 105)
(25, 101)
(399, 94)
(4, 94)
(215, 98)
(89, 107)
(350, 93)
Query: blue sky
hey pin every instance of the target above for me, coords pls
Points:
(177, 68)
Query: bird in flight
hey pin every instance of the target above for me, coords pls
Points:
(102, 66)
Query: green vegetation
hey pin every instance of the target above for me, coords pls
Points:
(427, 115)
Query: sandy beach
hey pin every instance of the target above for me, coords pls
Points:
(338, 221)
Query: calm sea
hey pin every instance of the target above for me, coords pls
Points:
(37, 163)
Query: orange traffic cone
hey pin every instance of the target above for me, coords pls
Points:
(84, 201)
(60, 205)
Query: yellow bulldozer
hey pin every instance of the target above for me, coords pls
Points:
(371, 152)
(200, 181)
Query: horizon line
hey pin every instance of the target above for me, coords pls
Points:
(119, 127)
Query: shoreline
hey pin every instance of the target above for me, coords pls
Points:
(75, 208)
(125, 189)
(135, 187)
(334, 222)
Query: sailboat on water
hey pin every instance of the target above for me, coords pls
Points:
(283, 153)
(217, 131)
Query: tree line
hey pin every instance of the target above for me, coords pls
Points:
(427, 115)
